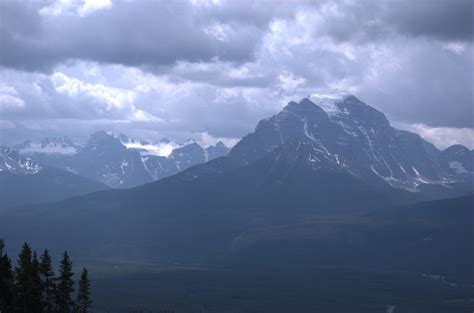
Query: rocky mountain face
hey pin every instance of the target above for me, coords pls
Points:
(12, 162)
(344, 131)
(105, 159)
(24, 181)
(457, 162)
(217, 151)
(182, 158)
(118, 161)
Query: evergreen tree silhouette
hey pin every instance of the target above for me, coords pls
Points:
(6, 281)
(65, 286)
(47, 280)
(27, 282)
(36, 286)
(84, 301)
(33, 288)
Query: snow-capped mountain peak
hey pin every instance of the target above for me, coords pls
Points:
(357, 138)
(330, 94)
(11, 161)
(328, 100)
(113, 159)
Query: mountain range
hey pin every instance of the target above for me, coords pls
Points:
(118, 161)
(324, 168)
(25, 181)
(104, 161)
(343, 133)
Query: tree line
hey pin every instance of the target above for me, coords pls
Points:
(33, 287)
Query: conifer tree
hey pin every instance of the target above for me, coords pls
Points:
(84, 301)
(6, 282)
(65, 286)
(36, 286)
(27, 282)
(22, 278)
(47, 280)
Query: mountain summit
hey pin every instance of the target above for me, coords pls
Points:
(358, 138)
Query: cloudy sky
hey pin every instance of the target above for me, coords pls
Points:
(211, 69)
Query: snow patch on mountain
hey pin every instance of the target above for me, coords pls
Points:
(163, 149)
(328, 101)
(458, 167)
(347, 134)
(113, 159)
(11, 161)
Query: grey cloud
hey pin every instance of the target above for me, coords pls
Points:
(430, 86)
(156, 34)
(391, 54)
(447, 20)
(149, 34)
(368, 21)
(256, 13)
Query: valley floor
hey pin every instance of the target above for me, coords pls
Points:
(255, 288)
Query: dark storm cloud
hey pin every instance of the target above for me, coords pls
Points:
(434, 86)
(446, 20)
(257, 13)
(20, 26)
(368, 20)
(153, 34)
(148, 33)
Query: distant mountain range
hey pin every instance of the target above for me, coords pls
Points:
(340, 132)
(56, 168)
(329, 158)
(119, 161)
(24, 181)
